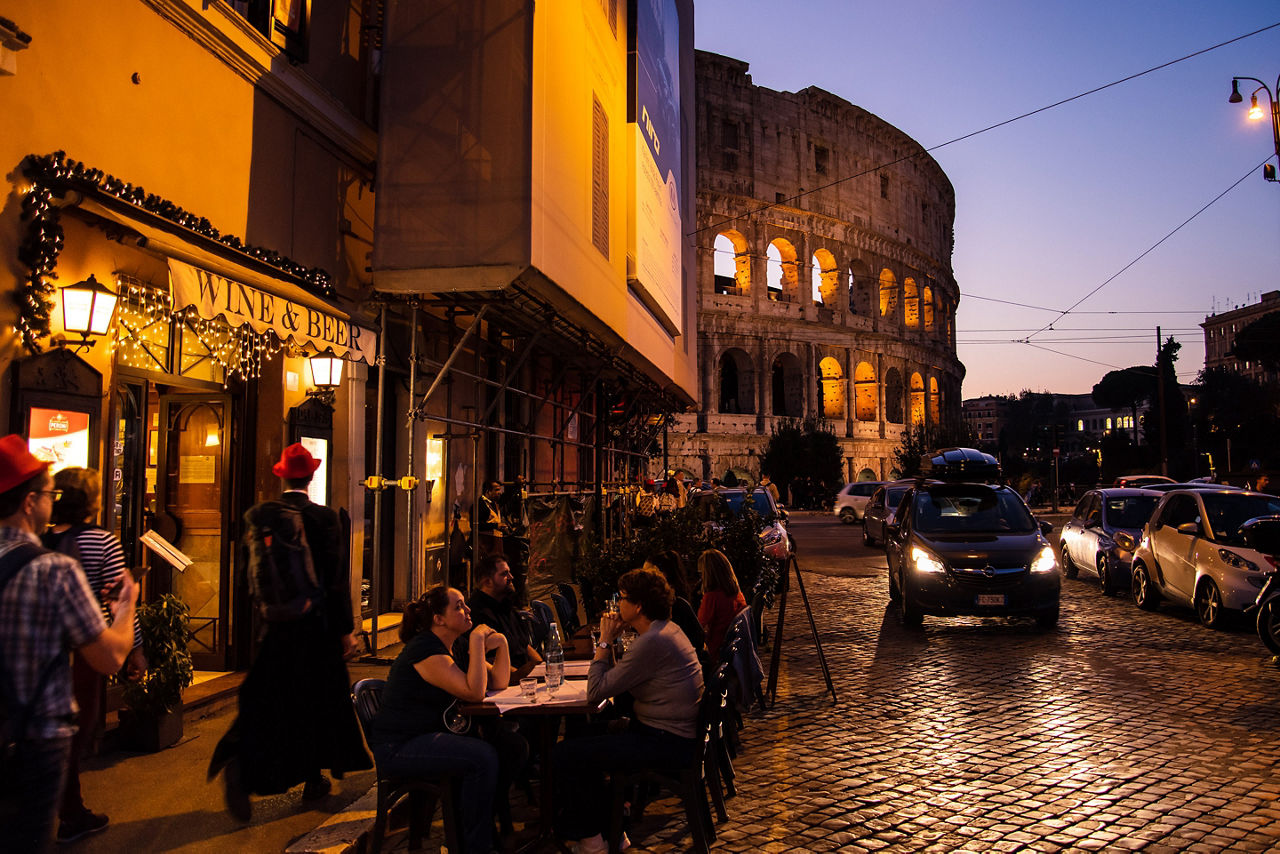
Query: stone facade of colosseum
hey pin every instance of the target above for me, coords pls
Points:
(832, 234)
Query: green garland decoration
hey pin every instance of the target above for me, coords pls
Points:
(43, 243)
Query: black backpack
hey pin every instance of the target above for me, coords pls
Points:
(282, 576)
(15, 715)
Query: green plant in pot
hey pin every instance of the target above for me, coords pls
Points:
(152, 719)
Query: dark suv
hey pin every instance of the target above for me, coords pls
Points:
(962, 545)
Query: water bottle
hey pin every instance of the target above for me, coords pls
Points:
(555, 660)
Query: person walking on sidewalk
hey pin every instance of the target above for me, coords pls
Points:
(102, 559)
(295, 714)
(46, 611)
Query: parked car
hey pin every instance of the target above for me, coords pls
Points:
(1135, 481)
(1191, 484)
(852, 500)
(1194, 552)
(970, 548)
(715, 504)
(1088, 537)
(880, 509)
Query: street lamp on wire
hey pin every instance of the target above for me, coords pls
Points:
(1255, 113)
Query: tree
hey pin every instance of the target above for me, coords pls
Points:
(1234, 418)
(1177, 427)
(1259, 341)
(805, 454)
(1125, 389)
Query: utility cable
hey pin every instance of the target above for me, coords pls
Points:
(717, 226)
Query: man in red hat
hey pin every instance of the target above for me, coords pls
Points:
(296, 717)
(46, 610)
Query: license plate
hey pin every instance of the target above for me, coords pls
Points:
(990, 598)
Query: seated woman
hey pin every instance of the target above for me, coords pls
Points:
(721, 598)
(662, 674)
(411, 733)
(671, 565)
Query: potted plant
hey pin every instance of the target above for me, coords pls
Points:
(152, 719)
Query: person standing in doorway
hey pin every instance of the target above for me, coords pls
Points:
(295, 714)
(46, 611)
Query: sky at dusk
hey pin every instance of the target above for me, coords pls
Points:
(1050, 207)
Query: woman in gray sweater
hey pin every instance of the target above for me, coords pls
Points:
(662, 673)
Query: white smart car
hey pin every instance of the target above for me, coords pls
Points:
(1194, 552)
(853, 498)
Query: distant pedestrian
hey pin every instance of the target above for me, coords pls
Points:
(1263, 485)
(46, 611)
(646, 506)
(295, 714)
(767, 483)
(102, 559)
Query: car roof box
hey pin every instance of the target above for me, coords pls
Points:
(960, 464)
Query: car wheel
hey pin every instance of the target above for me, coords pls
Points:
(867, 539)
(910, 615)
(894, 592)
(1047, 619)
(1269, 625)
(1069, 568)
(1144, 589)
(1209, 607)
(848, 516)
(1105, 581)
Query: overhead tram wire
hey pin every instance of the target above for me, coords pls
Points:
(787, 201)
(1059, 311)
(1151, 248)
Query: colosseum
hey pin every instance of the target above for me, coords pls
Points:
(825, 286)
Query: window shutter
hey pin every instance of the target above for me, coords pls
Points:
(600, 179)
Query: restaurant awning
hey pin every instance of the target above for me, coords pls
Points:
(218, 287)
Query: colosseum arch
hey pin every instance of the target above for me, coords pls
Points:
(787, 386)
(737, 383)
(861, 289)
(911, 303)
(833, 388)
(867, 474)
(888, 295)
(893, 396)
(926, 306)
(917, 400)
(732, 263)
(783, 275)
(864, 392)
(935, 402)
(826, 279)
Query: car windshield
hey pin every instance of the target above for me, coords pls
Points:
(1132, 512)
(1227, 512)
(971, 508)
(759, 503)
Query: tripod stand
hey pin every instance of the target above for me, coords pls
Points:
(771, 692)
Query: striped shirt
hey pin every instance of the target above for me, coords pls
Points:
(46, 610)
(102, 560)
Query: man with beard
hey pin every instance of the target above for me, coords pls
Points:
(493, 603)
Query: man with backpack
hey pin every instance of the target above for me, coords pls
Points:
(295, 714)
(46, 610)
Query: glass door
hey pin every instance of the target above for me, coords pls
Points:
(190, 451)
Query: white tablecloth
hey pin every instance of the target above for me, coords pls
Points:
(572, 691)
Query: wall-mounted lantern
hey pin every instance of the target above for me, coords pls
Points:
(87, 309)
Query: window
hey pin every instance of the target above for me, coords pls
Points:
(284, 22)
(821, 157)
(610, 10)
(600, 178)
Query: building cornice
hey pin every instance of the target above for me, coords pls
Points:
(216, 27)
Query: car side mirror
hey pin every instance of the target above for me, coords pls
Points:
(1046, 528)
(1192, 528)
(892, 530)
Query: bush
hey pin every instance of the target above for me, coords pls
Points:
(164, 627)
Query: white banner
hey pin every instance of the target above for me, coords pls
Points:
(239, 304)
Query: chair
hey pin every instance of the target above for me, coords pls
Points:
(422, 792)
(691, 783)
(568, 616)
(540, 618)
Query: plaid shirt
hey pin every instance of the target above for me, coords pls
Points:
(46, 611)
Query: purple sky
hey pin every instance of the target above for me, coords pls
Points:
(1051, 206)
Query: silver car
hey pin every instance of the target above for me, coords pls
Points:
(1194, 552)
(1088, 538)
(852, 500)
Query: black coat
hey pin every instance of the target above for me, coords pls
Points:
(329, 557)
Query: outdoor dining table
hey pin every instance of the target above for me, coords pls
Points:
(570, 700)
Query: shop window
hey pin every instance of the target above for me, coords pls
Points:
(144, 325)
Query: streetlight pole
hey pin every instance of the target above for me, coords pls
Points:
(1255, 112)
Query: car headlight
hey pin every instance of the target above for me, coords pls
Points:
(925, 562)
(771, 538)
(1045, 561)
(1230, 558)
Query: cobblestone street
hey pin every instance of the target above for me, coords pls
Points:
(1119, 730)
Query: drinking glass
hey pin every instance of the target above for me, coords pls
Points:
(555, 678)
(529, 688)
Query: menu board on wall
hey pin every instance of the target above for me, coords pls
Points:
(319, 448)
(59, 437)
